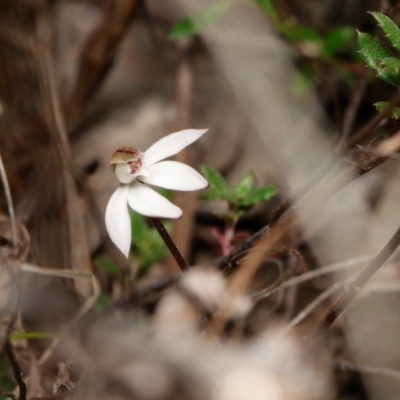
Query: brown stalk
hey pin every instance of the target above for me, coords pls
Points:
(97, 56)
(159, 226)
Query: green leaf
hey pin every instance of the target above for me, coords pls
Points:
(372, 50)
(336, 40)
(244, 187)
(302, 82)
(102, 302)
(139, 226)
(389, 70)
(383, 106)
(218, 188)
(190, 26)
(389, 27)
(268, 7)
(300, 33)
(5, 382)
(31, 335)
(108, 266)
(258, 195)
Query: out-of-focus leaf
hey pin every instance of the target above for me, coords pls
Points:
(147, 245)
(300, 33)
(268, 7)
(372, 50)
(389, 27)
(244, 187)
(258, 195)
(139, 226)
(336, 40)
(31, 335)
(196, 23)
(103, 301)
(108, 266)
(218, 188)
(302, 82)
(383, 106)
(5, 382)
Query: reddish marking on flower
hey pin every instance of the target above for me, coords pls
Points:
(135, 165)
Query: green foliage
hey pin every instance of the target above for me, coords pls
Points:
(384, 106)
(218, 187)
(268, 7)
(108, 266)
(5, 382)
(337, 40)
(315, 48)
(196, 23)
(377, 56)
(389, 27)
(241, 198)
(147, 245)
(31, 335)
(372, 50)
(102, 302)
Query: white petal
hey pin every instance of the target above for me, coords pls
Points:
(148, 202)
(118, 223)
(170, 145)
(123, 172)
(174, 175)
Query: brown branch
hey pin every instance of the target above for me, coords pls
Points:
(374, 121)
(8, 394)
(98, 54)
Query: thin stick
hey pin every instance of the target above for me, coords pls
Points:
(10, 206)
(336, 287)
(361, 280)
(6, 393)
(159, 226)
(328, 269)
(367, 369)
(16, 370)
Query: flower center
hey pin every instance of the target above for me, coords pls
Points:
(125, 162)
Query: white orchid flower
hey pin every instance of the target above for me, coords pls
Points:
(135, 170)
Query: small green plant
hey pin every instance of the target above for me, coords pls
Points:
(147, 245)
(5, 382)
(199, 21)
(313, 47)
(379, 57)
(240, 200)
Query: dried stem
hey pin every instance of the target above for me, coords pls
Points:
(366, 369)
(8, 394)
(159, 226)
(7, 192)
(16, 370)
(356, 286)
(351, 110)
(98, 54)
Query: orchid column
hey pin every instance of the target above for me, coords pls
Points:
(135, 170)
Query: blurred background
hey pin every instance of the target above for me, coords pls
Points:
(284, 93)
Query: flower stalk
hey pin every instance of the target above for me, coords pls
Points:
(165, 236)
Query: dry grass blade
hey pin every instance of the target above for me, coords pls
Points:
(10, 206)
(86, 306)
